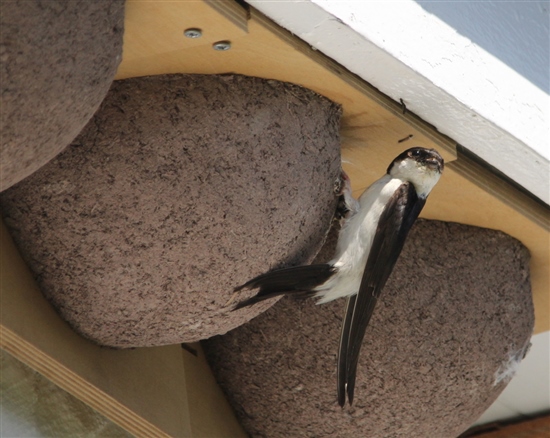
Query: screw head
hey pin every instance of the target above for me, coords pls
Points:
(192, 33)
(222, 46)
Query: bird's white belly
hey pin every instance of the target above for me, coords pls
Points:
(355, 241)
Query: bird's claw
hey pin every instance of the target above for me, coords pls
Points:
(347, 204)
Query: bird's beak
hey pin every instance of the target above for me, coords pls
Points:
(433, 163)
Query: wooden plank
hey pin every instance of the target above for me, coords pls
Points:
(535, 211)
(237, 13)
(206, 397)
(76, 385)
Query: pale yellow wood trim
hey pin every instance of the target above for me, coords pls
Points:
(232, 11)
(74, 384)
(205, 396)
(488, 181)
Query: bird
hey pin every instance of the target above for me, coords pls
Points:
(372, 234)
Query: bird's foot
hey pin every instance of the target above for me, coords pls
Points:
(347, 204)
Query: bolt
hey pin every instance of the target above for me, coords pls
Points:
(193, 33)
(222, 46)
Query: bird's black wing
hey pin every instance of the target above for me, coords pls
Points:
(294, 280)
(393, 226)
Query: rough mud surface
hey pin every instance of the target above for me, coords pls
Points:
(58, 59)
(179, 189)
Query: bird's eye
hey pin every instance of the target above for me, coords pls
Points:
(416, 153)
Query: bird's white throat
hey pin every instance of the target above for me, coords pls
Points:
(423, 177)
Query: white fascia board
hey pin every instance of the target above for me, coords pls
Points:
(442, 76)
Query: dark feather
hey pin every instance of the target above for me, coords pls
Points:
(342, 370)
(395, 222)
(298, 279)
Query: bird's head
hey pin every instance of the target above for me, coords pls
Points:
(420, 166)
